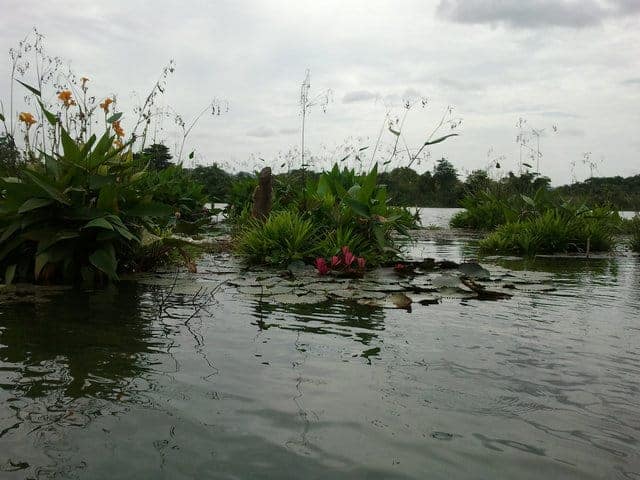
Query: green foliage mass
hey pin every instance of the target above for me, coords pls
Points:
(83, 212)
(564, 228)
(337, 208)
(633, 227)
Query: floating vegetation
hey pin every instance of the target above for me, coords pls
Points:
(403, 286)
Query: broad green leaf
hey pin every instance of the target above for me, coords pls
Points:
(10, 230)
(34, 203)
(70, 147)
(9, 274)
(11, 180)
(115, 117)
(137, 176)
(51, 118)
(380, 238)
(528, 200)
(86, 148)
(44, 184)
(98, 156)
(48, 242)
(104, 259)
(108, 198)
(35, 91)
(358, 207)
(441, 139)
(99, 223)
(41, 260)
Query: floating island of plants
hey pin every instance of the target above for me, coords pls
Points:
(406, 285)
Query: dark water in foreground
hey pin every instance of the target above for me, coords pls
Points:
(134, 382)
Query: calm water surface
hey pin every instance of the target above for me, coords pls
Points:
(151, 380)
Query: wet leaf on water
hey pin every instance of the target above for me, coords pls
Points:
(445, 280)
(474, 270)
(400, 300)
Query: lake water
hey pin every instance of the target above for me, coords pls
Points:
(175, 376)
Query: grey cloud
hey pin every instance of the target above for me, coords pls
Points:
(262, 132)
(631, 81)
(288, 131)
(359, 96)
(535, 13)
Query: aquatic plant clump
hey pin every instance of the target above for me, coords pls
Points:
(634, 229)
(555, 231)
(336, 210)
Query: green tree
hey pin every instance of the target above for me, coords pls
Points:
(447, 185)
(157, 155)
(9, 156)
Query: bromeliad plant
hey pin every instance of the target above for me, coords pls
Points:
(76, 212)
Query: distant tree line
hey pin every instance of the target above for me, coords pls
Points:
(441, 187)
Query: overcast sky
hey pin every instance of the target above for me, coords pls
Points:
(564, 63)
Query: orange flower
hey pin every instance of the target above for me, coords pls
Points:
(118, 143)
(65, 96)
(118, 129)
(105, 105)
(27, 118)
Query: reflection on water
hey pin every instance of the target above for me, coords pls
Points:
(151, 381)
(351, 320)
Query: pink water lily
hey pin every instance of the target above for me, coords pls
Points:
(361, 263)
(335, 261)
(321, 266)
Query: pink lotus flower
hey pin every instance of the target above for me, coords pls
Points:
(361, 263)
(335, 261)
(321, 266)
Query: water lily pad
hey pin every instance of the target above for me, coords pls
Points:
(426, 298)
(278, 289)
(474, 270)
(400, 300)
(455, 293)
(253, 290)
(445, 280)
